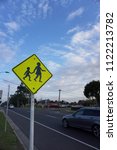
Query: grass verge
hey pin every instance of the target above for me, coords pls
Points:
(8, 140)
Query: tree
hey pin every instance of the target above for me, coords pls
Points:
(21, 96)
(18, 100)
(92, 90)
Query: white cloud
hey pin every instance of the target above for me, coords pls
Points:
(24, 12)
(53, 66)
(85, 37)
(3, 34)
(63, 3)
(6, 53)
(73, 58)
(12, 26)
(44, 8)
(30, 10)
(81, 63)
(85, 44)
(75, 14)
(55, 49)
(75, 29)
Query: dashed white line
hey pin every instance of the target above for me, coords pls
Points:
(52, 116)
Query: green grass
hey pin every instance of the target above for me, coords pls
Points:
(8, 140)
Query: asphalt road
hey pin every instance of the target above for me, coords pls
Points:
(49, 133)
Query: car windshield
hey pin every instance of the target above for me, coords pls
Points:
(91, 112)
(88, 112)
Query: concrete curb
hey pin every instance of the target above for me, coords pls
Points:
(20, 135)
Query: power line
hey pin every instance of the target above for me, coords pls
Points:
(10, 82)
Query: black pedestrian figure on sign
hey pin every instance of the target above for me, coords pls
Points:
(27, 74)
(37, 71)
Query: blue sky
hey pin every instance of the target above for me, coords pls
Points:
(64, 34)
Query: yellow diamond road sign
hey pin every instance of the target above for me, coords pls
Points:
(33, 73)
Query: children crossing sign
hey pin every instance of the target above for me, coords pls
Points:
(33, 73)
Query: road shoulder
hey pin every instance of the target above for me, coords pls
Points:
(20, 135)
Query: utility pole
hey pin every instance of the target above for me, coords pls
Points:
(59, 98)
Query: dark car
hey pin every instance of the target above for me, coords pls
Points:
(87, 118)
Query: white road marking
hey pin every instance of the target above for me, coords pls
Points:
(70, 137)
(52, 116)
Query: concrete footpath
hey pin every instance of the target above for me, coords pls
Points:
(20, 135)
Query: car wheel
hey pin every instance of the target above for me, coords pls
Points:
(96, 130)
(65, 123)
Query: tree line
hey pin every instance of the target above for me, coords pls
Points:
(22, 95)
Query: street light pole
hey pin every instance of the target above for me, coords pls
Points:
(7, 102)
(7, 107)
(6, 113)
(59, 96)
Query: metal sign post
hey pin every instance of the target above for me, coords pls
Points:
(31, 145)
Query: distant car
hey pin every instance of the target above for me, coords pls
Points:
(87, 118)
(11, 106)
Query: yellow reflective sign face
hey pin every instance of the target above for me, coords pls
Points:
(33, 73)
